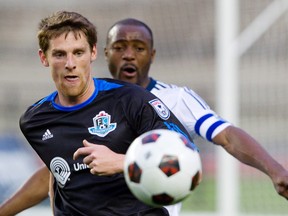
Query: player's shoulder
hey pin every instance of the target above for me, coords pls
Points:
(41, 104)
(159, 85)
(156, 85)
(172, 91)
(37, 112)
(127, 92)
(108, 83)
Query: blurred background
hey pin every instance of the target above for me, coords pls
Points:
(185, 39)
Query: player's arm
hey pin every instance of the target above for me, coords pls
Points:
(51, 191)
(247, 150)
(31, 193)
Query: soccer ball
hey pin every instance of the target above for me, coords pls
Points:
(162, 167)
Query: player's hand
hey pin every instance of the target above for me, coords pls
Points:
(281, 183)
(100, 159)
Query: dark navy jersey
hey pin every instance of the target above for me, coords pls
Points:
(113, 116)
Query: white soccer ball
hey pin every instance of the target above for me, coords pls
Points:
(162, 167)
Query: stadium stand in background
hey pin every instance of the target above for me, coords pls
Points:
(184, 34)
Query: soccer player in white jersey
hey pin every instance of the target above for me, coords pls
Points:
(129, 52)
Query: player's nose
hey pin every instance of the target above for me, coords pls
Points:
(70, 63)
(129, 53)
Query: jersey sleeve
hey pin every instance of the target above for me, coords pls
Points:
(193, 112)
(207, 123)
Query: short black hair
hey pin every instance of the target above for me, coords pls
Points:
(132, 21)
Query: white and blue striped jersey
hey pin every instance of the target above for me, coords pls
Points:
(192, 111)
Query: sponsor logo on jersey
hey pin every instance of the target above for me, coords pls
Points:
(102, 125)
(160, 108)
(61, 170)
(47, 135)
(80, 166)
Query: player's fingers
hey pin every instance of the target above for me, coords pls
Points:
(83, 151)
(284, 194)
(86, 150)
(282, 189)
(87, 144)
(94, 172)
(88, 160)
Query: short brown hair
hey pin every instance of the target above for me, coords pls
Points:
(65, 22)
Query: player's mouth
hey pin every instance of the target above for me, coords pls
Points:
(129, 70)
(71, 78)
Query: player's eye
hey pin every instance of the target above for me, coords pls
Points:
(118, 48)
(79, 53)
(140, 49)
(58, 54)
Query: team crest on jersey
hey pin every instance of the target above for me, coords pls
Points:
(160, 108)
(102, 125)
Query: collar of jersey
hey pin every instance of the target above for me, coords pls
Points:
(151, 84)
(101, 85)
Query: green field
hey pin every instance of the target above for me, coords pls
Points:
(256, 196)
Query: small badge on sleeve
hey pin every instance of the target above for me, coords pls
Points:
(160, 108)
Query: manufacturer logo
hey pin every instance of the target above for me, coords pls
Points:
(47, 135)
(102, 125)
(61, 170)
(160, 108)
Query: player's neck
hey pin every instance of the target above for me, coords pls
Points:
(145, 82)
(69, 101)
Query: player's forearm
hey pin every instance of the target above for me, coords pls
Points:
(14, 205)
(31, 193)
(247, 150)
(19, 202)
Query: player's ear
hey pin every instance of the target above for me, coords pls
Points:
(94, 53)
(106, 53)
(153, 53)
(43, 58)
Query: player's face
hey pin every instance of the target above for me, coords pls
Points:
(70, 58)
(129, 54)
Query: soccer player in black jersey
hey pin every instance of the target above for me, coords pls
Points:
(72, 127)
(134, 68)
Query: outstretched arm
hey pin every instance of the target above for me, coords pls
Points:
(247, 150)
(31, 193)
